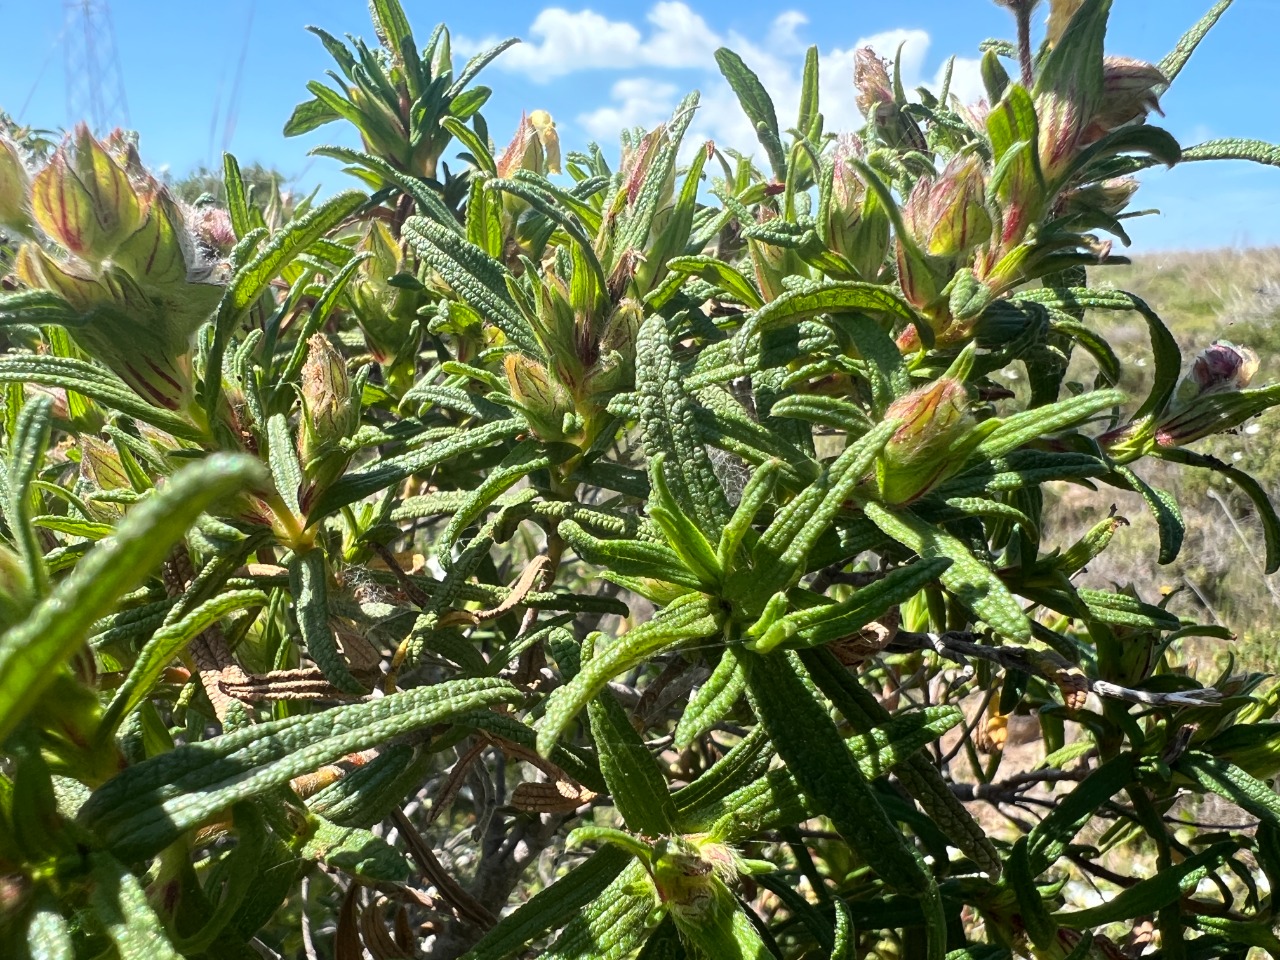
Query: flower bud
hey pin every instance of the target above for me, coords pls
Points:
(615, 366)
(14, 182)
(101, 468)
(535, 146)
(930, 444)
(212, 230)
(1209, 400)
(1222, 367)
(1107, 197)
(858, 227)
(545, 403)
(159, 251)
(876, 101)
(84, 201)
(329, 412)
(545, 128)
(1129, 92)
(685, 882)
(946, 215)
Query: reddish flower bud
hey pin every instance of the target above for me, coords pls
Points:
(84, 201)
(929, 445)
(947, 215)
(1129, 92)
(1220, 368)
(876, 101)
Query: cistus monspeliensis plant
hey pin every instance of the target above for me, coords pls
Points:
(496, 562)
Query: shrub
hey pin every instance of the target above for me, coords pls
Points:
(486, 564)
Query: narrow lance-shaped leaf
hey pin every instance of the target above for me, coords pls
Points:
(163, 646)
(149, 805)
(476, 278)
(31, 652)
(815, 754)
(636, 784)
(758, 106)
(689, 618)
(973, 583)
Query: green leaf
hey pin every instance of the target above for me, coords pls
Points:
(165, 644)
(687, 619)
(758, 106)
(667, 422)
(429, 202)
(1164, 508)
(682, 533)
(782, 549)
(552, 906)
(1259, 151)
(831, 297)
(1231, 783)
(27, 447)
(30, 652)
(120, 906)
(1049, 839)
(150, 804)
(309, 586)
(717, 272)
(1035, 917)
(1147, 896)
(309, 115)
(1023, 428)
(387, 472)
(814, 752)
(713, 701)
(1172, 63)
(817, 625)
(355, 851)
(638, 788)
(1251, 488)
(476, 278)
(972, 582)
(613, 925)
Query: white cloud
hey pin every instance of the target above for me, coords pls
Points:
(676, 37)
(637, 102)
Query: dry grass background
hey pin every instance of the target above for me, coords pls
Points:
(1202, 296)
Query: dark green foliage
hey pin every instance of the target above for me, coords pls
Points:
(365, 559)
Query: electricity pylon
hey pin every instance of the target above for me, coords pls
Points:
(95, 87)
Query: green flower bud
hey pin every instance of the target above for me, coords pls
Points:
(83, 199)
(330, 413)
(930, 445)
(858, 227)
(947, 215)
(1106, 197)
(543, 401)
(876, 101)
(14, 183)
(102, 469)
(159, 251)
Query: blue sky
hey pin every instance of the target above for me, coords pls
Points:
(202, 78)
